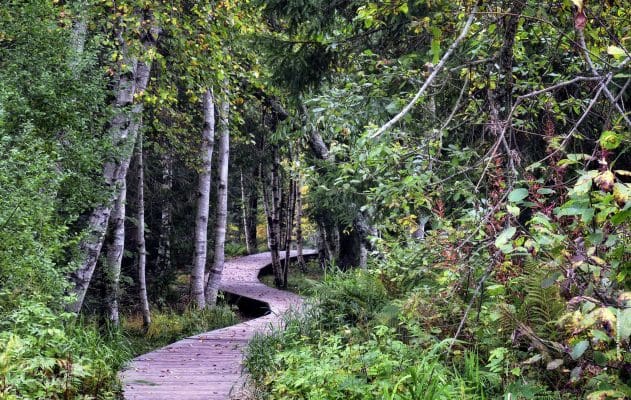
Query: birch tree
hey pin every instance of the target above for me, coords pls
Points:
(214, 279)
(131, 82)
(140, 235)
(203, 201)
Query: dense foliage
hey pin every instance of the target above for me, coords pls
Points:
(462, 166)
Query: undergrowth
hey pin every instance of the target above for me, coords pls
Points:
(47, 354)
(168, 326)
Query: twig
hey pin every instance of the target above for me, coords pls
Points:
(592, 67)
(431, 77)
(580, 120)
(478, 289)
(519, 100)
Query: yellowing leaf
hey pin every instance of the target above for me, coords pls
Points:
(615, 51)
(605, 180)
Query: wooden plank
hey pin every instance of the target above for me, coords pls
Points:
(209, 365)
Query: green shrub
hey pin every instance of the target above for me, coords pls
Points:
(233, 249)
(307, 364)
(50, 355)
(349, 298)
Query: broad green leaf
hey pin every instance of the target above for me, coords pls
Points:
(518, 195)
(505, 236)
(610, 140)
(578, 349)
(513, 210)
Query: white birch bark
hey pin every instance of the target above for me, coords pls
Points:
(216, 271)
(114, 254)
(123, 129)
(164, 242)
(140, 236)
(203, 201)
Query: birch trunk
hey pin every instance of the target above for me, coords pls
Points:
(201, 220)
(114, 254)
(123, 130)
(214, 279)
(140, 237)
(164, 242)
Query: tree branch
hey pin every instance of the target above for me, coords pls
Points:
(431, 77)
(592, 67)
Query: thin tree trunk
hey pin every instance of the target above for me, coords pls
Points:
(214, 279)
(114, 255)
(123, 130)
(272, 202)
(276, 215)
(140, 237)
(300, 258)
(164, 241)
(244, 212)
(291, 204)
(322, 247)
(267, 206)
(201, 219)
(253, 199)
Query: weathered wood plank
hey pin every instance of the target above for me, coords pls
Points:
(207, 366)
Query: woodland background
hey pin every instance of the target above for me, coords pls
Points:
(462, 168)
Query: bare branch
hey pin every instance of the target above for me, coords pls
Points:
(431, 77)
(592, 67)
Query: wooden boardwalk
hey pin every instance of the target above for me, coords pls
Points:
(209, 365)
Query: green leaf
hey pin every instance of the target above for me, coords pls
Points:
(545, 191)
(578, 349)
(518, 195)
(610, 140)
(513, 210)
(615, 51)
(505, 236)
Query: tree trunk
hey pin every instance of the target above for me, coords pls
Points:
(214, 279)
(253, 199)
(271, 196)
(114, 256)
(245, 213)
(300, 258)
(164, 241)
(276, 213)
(201, 219)
(123, 130)
(291, 208)
(140, 237)
(267, 204)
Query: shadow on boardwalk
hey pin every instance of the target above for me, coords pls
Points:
(207, 366)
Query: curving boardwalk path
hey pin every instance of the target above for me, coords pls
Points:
(207, 366)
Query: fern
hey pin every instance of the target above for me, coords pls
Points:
(541, 307)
